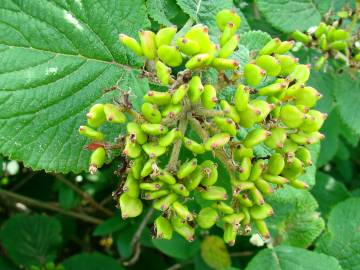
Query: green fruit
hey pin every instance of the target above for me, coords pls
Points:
(186, 168)
(151, 113)
(148, 168)
(131, 186)
(287, 63)
(307, 96)
(313, 122)
(230, 233)
(270, 47)
(172, 110)
(263, 186)
(151, 186)
(179, 94)
(153, 150)
(208, 97)
(255, 137)
(301, 73)
(130, 207)
(165, 203)
(257, 169)
(192, 181)
(134, 130)
(170, 137)
(182, 211)
(153, 195)
(241, 97)
(193, 146)
(241, 152)
(184, 229)
(166, 177)
(234, 219)
(195, 89)
(217, 141)
(225, 124)
(298, 184)
(200, 34)
(291, 116)
(91, 133)
(188, 46)
(199, 61)
(320, 30)
(158, 98)
(113, 114)
(225, 16)
(228, 33)
(209, 172)
(304, 155)
(275, 179)
(214, 193)
(257, 196)
(262, 228)
(253, 74)
(263, 107)
(97, 159)
(244, 200)
(245, 169)
(163, 228)
(285, 47)
(165, 35)
(230, 111)
(148, 44)
(224, 64)
(163, 72)
(170, 55)
(301, 37)
(276, 164)
(249, 116)
(229, 47)
(207, 218)
(273, 89)
(96, 116)
(132, 148)
(180, 189)
(223, 207)
(136, 166)
(154, 129)
(293, 168)
(270, 64)
(241, 186)
(131, 43)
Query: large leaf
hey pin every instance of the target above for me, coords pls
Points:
(31, 240)
(110, 226)
(347, 95)
(91, 261)
(214, 252)
(295, 221)
(204, 11)
(342, 239)
(291, 258)
(254, 40)
(328, 192)
(157, 10)
(290, 15)
(55, 68)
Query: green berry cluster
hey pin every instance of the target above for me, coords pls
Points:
(270, 101)
(334, 39)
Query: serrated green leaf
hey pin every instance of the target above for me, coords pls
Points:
(177, 247)
(347, 95)
(31, 240)
(292, 258)
(204, 11)
(157, 11)
(91, 261)
(342, 238)
(55, 68)
(295, 221)
(215, 253)
(328, 192)
(290, 15)
(254, 40)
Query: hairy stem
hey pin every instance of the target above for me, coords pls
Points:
(48, 206)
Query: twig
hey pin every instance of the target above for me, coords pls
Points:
(84, 195)
(48, 206)
(23, 181)
(241, 254)
(179, 265)
(177, 145)
(135, 242)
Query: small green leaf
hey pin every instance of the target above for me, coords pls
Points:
(91, 261)
(157, 11)
(254, 40)
(292, 258)
(31, 240)
(110, 226)
(290, 15)
(328, 192)
(68, 198)
(215, 253)
(295, 221)
(177, 247)
(342, 238)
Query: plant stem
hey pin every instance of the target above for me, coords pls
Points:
(135, 242)
(84, 195)
(48, 206)
(177, 145)
(208, 113)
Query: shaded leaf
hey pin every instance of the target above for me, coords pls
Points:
(31, 240)
(215, 253)
(111, 225)
(91, 261)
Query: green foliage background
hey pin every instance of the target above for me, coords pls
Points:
(56, 59)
